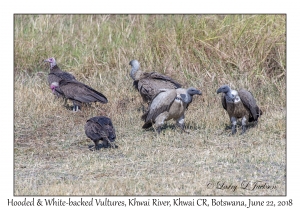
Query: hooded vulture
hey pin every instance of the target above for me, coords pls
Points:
(77, 92)
(169, 104)
(148, 84)
(239, 104)
(56, 74)
(100, 128)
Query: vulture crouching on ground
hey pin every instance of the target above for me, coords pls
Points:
(169, 104)
(239, 104)
(101, 128)
(77, 92)
(56, 74)
(148, 84)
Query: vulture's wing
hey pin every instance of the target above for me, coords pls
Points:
(150, 83)
(106, 127)
(93, 130)
(157, 76)
(160, 104)
(81, 92)
(249, 102)
(57, 76)
(147, 88)
(223, 100)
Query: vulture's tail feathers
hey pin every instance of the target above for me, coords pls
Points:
(147, 125)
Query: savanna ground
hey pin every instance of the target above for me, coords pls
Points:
(51, 154)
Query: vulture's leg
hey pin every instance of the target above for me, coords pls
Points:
(65, 102)
(76, 106)
(158, 129)
(105, 142)
(233, 122)
(244, 120)
(111, 144)
(96, 144)
(159, 122)
(180, 124)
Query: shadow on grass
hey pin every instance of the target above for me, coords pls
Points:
(173, 126)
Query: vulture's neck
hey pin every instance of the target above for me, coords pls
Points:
(55, 68)
(187, 99)
(135, 73)
(229, 97)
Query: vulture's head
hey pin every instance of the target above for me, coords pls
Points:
(193, 91)
(53, 86)
(224, 89)
(51, 61)
(135, 65)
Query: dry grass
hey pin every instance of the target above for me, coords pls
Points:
(51, 155)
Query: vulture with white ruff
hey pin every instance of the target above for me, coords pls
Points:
(148, 84)
(101, 128)
(77, 92)
(239, 104)
(169, 104)
(56, 74)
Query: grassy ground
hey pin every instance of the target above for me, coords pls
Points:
(51, 155)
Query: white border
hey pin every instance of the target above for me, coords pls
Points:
(153, 6)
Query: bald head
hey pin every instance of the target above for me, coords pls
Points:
(51, 61)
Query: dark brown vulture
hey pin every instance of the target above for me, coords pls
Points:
(56, 74)
(101, 128)
(169, 104)
(77, 92)
(239, 104)
(148, 84)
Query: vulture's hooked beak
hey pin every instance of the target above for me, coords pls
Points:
(219, 90)
(199, 92)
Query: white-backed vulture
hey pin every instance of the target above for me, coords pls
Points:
(148, 84)
(77, 92)
(169, 104)
(56, 74)
(100, 128)
(239, 104)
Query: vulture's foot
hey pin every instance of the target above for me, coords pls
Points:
(92, 147)
(105, 146)
(158, 130)
(99, 146)
(233, 130)
(116, 146)
(75, 108)
(185, 131)
(113, 145)
(243, 129)
(95, 147)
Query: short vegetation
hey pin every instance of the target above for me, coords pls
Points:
(51, 150)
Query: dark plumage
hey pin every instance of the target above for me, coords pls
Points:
(78, 92)
(239, 104)
(100, 128)
(56, 74)
(148, 84)
(169, 104)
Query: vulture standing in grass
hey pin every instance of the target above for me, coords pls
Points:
(101, 128)
(56, 74)
(77, 92)
(148, 84)
(239, 104)
(169, 104)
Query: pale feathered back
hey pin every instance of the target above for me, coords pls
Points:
(149, 84)
(168, 104)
